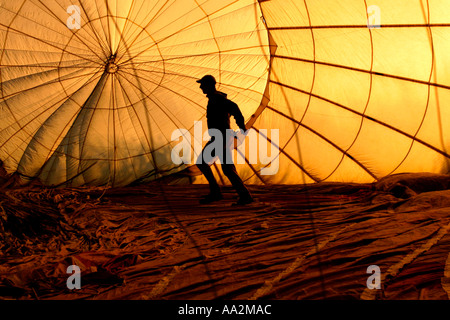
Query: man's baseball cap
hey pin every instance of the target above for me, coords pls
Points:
(207, 79)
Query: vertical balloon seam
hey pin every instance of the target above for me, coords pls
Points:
(346, 152)
(430, 33)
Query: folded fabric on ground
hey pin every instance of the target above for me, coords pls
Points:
(155, 241)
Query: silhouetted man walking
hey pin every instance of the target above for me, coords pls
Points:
(218, 114)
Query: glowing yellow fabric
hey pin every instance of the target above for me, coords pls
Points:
(358, 90)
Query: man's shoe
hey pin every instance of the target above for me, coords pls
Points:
(212, 197)
(244, 200)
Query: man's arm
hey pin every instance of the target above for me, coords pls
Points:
(237, 114)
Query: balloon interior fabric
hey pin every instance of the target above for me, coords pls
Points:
(91, 91)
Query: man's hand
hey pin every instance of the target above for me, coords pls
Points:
(240, 136)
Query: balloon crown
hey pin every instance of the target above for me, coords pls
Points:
(111, 66)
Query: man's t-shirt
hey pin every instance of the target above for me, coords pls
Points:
(220, 109)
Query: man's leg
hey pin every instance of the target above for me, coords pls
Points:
(229, 170)
(205, 168)
(207, 172)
